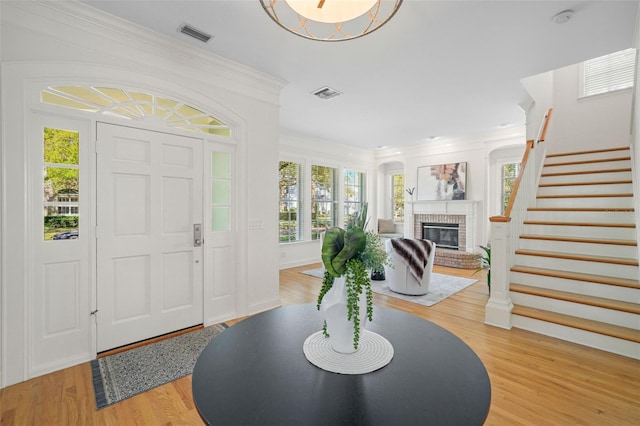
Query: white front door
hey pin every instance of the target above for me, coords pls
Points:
(149, 197)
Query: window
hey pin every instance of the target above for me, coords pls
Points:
(323, 202)
(397, 197)
(608, 73)
(290, 201)
(220, 191)
(354, 193)
(61, 177)
(510, 173)
(134, 105)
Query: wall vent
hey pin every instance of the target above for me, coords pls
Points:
(326, 93)
(195, 33)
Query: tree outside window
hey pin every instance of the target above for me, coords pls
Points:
(510, 173)
(354, 193)
(323, 202)
(290, 201)
(61, 177)
(397, 197)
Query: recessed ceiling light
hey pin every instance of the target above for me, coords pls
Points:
(326, 93)
(562, 17)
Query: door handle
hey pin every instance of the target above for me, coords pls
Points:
(197, 235)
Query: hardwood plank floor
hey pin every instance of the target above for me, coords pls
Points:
(535, 380)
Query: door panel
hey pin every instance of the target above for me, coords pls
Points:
(149, 198)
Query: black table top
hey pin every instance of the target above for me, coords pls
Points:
(255, 373)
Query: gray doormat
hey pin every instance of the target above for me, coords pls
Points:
(123, 375)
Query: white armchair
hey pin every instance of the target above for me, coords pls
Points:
(399, 276)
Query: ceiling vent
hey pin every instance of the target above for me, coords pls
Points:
(326, 93)
(195, 33)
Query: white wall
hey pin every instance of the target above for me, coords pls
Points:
(68, 42)
(475, 151)
(310, 151)
(577, 124)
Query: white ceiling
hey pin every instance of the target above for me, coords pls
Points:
(438, 68)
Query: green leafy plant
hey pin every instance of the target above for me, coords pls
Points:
(485, 261)
(351, 252)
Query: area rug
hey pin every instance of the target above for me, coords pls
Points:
(123, 375)
(442, 286)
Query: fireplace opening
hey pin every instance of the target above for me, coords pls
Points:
(445, 235)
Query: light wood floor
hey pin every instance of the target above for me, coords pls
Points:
(535, 380)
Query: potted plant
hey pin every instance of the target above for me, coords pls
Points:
(485, 262)
(346, 298)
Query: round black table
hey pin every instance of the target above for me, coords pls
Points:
(255, 373)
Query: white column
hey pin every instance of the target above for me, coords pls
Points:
(498, 308)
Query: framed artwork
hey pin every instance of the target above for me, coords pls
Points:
(442, 182)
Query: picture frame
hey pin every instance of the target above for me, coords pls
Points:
(442, 182)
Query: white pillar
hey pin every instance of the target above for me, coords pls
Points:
(498, 308)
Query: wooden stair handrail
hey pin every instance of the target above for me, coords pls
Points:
(531, 144)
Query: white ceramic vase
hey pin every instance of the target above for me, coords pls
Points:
(334, 307)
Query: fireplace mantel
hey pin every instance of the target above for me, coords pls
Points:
(466, 208)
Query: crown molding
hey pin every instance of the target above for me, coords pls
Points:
(145, 42)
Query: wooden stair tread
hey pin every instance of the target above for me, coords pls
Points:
(593, 151)
(579, 240)
(587, 172)
(617, 305)
(579, 323)
(578, 276)
(598, 160)
(622, 194)
(581, 209)
(555, 223)
(581, 257)
(607, 182)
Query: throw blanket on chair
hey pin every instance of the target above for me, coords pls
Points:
(415, 253)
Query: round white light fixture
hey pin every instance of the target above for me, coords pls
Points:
(331, 20)
(562, 17)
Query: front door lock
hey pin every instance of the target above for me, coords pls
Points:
(197, 235)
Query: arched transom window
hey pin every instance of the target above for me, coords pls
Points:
(134, 105)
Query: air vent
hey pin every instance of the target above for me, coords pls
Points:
(327, 93)
(195, 33)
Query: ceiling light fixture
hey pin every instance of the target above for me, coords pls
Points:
(331, 20)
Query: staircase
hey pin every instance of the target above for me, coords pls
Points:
(576, 266)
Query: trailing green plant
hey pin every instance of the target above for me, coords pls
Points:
(351, 252)
(485, 261)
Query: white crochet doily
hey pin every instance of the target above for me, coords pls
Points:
(374, 352)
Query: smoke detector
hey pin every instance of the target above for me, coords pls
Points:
(326, 93)
(563, 17)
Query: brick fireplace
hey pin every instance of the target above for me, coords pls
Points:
(460, 213)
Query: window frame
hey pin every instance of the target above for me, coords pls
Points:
(583, 69)
(332, 201)
(397, 198)
(361, 185)
(298, 201)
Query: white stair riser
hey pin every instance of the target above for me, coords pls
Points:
(581, 231)
(628, 252)
(625, 294)
(618, 188)
(579, 266)
(582, 216)
(586, 202)
(578, 310)
(592, 177)
(572, 168)
(593, 340)
(593, 156)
